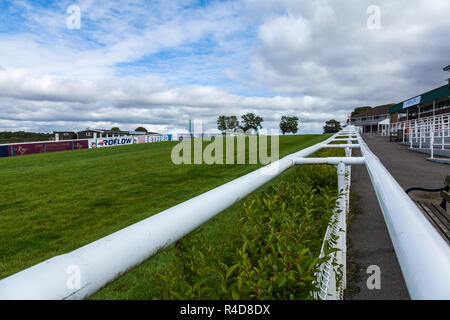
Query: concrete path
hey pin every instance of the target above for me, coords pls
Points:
(368, 238)
(407, 167)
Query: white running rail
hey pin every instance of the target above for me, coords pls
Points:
(425, 133)
(423, 255)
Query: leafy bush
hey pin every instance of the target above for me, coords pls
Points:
(276, 254)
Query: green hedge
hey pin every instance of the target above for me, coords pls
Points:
(275, 253)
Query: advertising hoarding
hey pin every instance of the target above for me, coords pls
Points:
(4, 151)
(110, 142)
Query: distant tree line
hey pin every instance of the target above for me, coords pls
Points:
(138, 129)
(23, 136)
(359, 110)
(252, 121)
(249, 121)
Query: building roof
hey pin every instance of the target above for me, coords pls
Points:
(384, 109)
(94, 130)
(111, 132)
(105, 131)
(115, 132)
(426, 97)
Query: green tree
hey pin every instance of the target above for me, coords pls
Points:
(227, 123)
(233, 123)
(360, 110)
(140, 129)
(222, 123)
(289, 124)
(251, 121)
(332, 126)
(115, 129)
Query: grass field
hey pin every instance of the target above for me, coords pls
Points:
(56, 202)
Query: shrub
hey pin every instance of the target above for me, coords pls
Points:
(275, 256)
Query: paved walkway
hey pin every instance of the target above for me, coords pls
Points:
(368, 237)
(407, 167)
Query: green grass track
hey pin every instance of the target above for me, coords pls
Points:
(53, 203)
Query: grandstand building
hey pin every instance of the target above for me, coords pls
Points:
(369, 120)
(432, 103)
(97, 133)
(429, 110)
(423, 123)
(65, 135)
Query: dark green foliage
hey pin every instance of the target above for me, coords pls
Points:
(227, 123)
(140, 129)
(276, 254)
(251, 121)
(332, 126)
(289, 124)
(360, 110)
(22, 136)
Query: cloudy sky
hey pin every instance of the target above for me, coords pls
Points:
(160, 63)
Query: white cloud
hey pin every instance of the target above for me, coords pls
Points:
(328, 51)
(132, 100)
(162, 63)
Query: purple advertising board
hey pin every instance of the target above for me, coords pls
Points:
(31, 148)
(22, 149)
(58, 146)
(82, 144)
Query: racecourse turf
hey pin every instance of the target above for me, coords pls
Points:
(53, 203)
